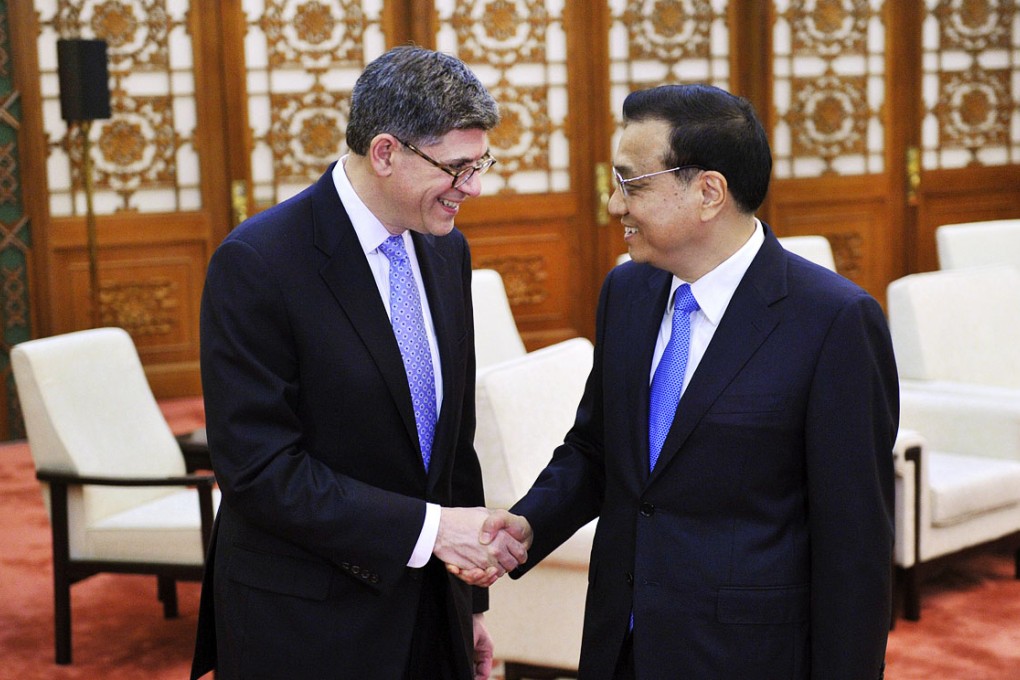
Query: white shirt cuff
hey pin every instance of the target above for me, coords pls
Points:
(427, 539)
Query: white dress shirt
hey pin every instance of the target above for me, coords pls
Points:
(371, 233)
(713, 292)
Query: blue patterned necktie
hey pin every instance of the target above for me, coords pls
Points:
(409, 329)
(668, 381)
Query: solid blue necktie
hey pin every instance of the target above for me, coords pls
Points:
(668, 381)
(409, 329)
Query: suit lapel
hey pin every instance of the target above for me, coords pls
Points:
(436, 276)
(748, 321)
(348, 277)
(644, 317)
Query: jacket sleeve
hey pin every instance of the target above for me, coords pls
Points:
(852, 419)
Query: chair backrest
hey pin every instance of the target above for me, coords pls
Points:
(814, 248)
(496, 336)
(974, 244)
(89, 411)
(524, 408)
(960, 325)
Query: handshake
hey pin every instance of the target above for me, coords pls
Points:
(480, 545)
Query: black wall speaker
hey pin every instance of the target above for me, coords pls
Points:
(84, 79)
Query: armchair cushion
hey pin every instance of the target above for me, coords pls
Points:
(963, 487)
(161, 530)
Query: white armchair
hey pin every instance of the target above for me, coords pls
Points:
(114, 479)
(946, 503)
(975, 244)
(525, 406)
(956, 334)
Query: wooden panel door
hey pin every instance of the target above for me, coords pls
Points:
(290, 69)
(965, 150)
(159, 197)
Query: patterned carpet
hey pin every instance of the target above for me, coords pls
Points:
(970, 626)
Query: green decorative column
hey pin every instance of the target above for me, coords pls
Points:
(15, 238)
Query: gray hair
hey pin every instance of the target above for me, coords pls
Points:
(418, 96)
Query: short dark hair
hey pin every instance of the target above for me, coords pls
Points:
(417, 95)
(713, 129)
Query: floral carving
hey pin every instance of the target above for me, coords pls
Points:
(114, 22)
(122, 143)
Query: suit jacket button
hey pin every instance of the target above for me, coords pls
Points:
(630, 579)
(647, 509)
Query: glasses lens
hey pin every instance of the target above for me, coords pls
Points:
(479, 168)
(619, 183)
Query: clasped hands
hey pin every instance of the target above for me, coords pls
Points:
(480, 545)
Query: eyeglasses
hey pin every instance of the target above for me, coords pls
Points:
(622, 183)
(461, 176)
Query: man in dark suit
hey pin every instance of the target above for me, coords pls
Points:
(747, 531)
(342, 439)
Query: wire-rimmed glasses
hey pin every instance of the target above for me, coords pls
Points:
(622, 183)
(460, 176)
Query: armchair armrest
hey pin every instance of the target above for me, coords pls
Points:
(59, 481)
(71, 479)
(963, 418)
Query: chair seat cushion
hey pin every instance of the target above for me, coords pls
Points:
(168, 529)
(966, 486)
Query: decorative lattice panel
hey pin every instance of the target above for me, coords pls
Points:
(302, 59)
(144, 157)
(971, 83)
(655, 42)
(15, 239)
(829, 93)
(518, 49)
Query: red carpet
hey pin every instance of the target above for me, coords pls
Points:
(970, 626)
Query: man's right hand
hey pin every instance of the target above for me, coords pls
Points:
(480, 545)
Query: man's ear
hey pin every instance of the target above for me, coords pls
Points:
(714, 193)
(380, 153)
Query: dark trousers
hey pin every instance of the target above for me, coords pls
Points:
(625, 664)
(431, 655)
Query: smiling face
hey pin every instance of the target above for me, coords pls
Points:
(660, 214)
(418, 195)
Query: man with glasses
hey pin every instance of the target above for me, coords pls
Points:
(338, 372)
(735, 436)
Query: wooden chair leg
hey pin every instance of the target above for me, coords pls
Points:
(167, 590)
(61, 573)
(912, 594)
(62, 615)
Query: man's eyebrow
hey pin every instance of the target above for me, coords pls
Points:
(464, 161)
(624, 170)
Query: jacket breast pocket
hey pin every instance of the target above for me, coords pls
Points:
(746, 404)
(764, 605)
(281, 574)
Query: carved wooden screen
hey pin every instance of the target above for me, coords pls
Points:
(829, 88)
(144, 157)
(967, 167)
(829, 131)
(971, 74)
(154, 167)
(301, 61)
(531, 222)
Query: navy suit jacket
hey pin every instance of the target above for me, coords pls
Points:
(313, 440)
(761, 545)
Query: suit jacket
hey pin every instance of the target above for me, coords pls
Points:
(761, 544)
(313, 440)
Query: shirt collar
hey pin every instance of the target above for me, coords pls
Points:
(371, 232)
(714, 290)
